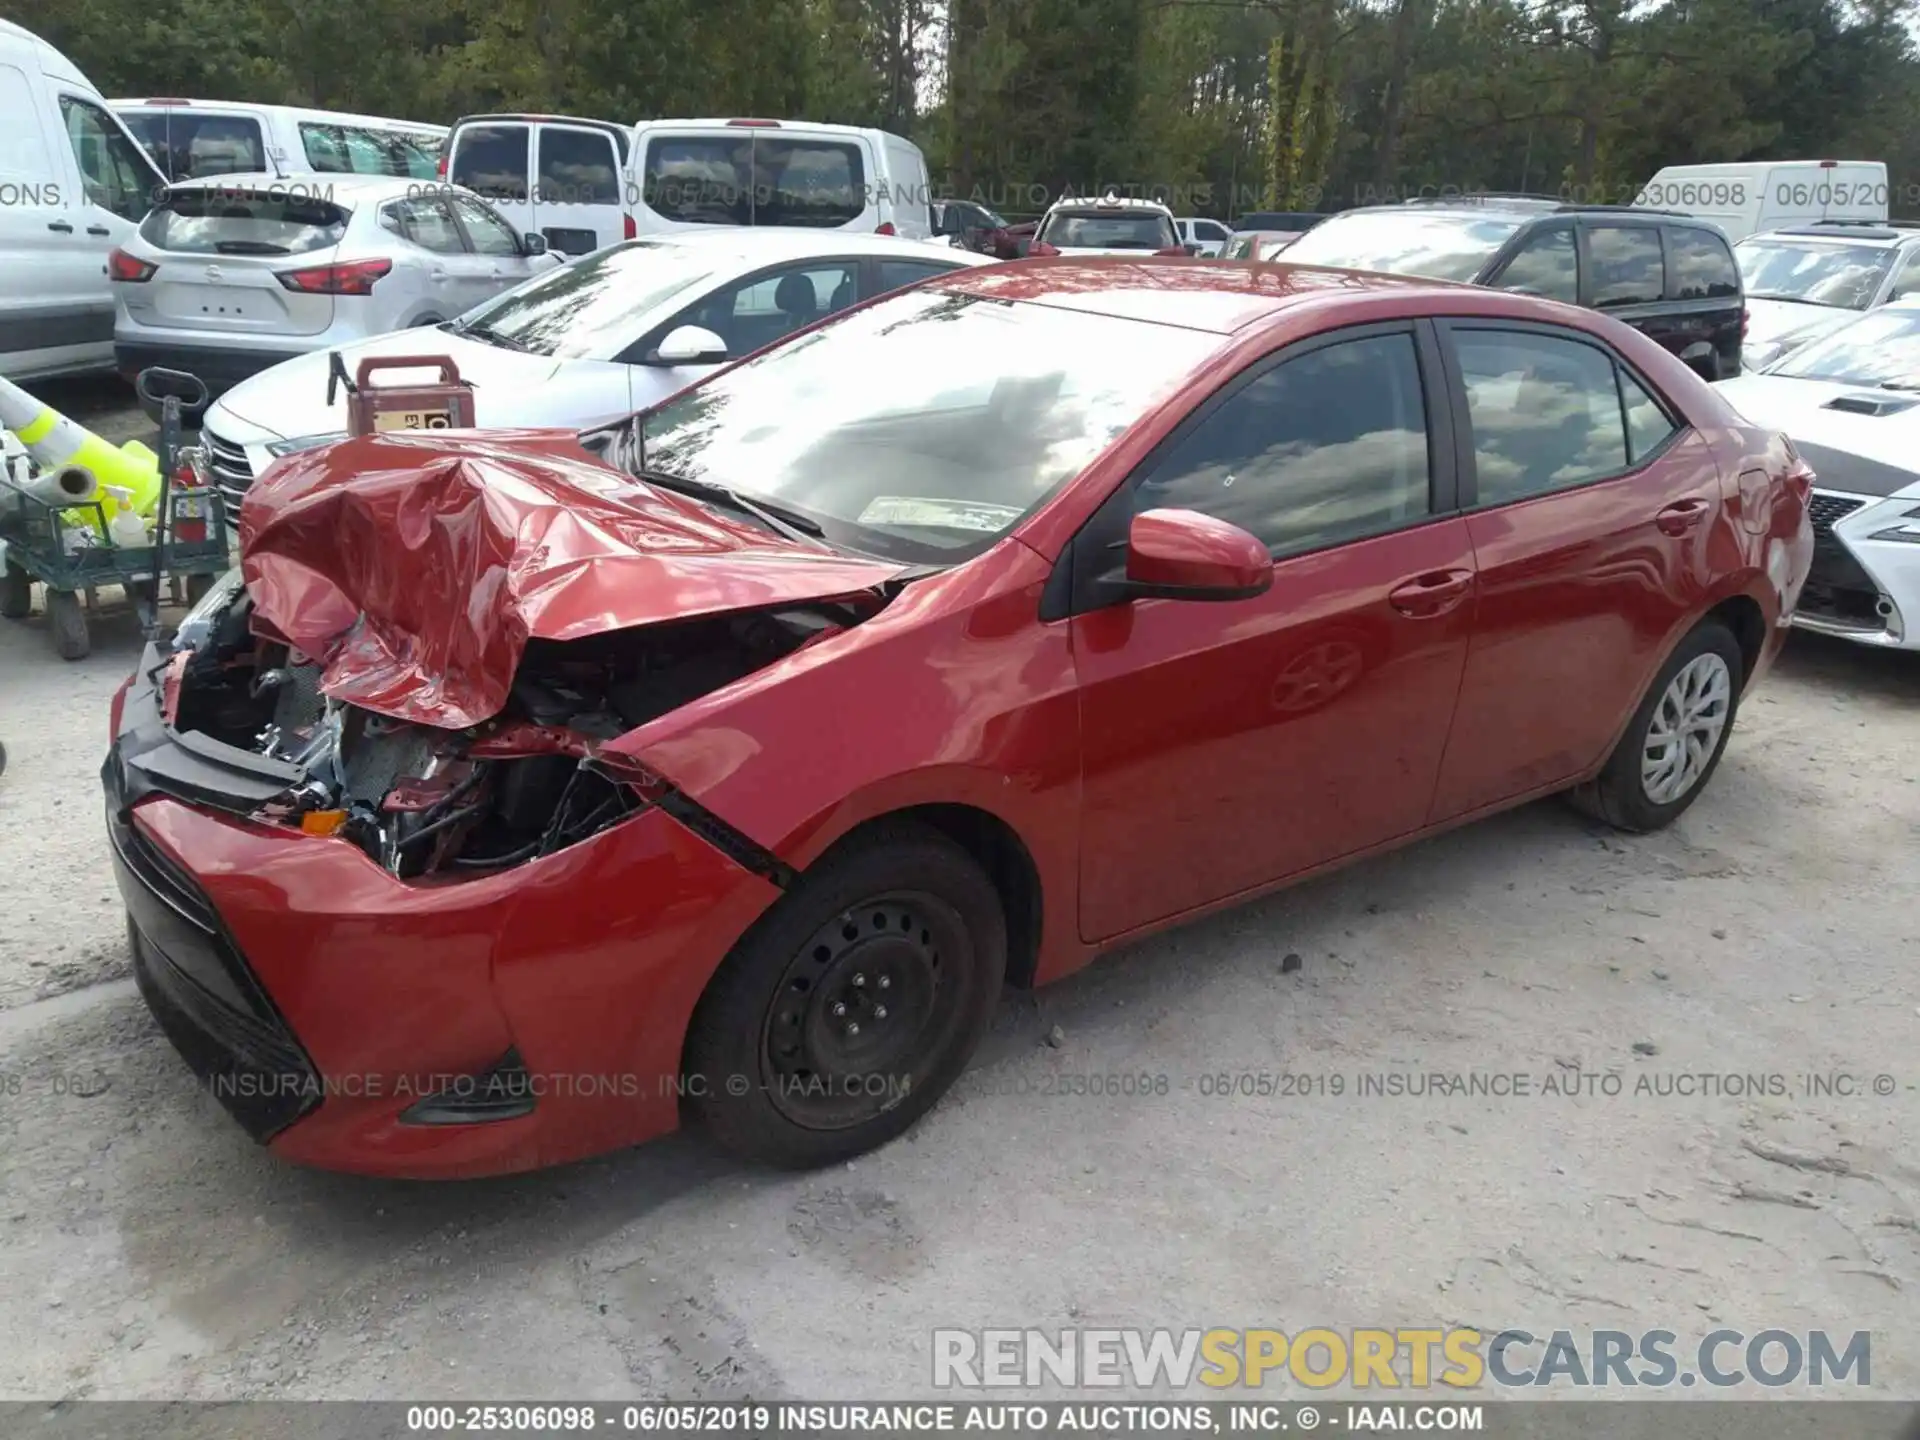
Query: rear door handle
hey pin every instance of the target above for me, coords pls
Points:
(436, 273)
(1681, 516)
(1434, 593)
(98, 230)
(60, 226)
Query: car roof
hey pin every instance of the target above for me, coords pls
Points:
(769, 244)
(1217, 296)
(343, 189)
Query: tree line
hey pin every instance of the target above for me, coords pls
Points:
(1219, 105)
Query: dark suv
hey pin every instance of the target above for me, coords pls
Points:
(1668, 275)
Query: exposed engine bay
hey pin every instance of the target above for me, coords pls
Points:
(427, 802)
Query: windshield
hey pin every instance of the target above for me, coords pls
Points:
(1088, 230)
(1880, 348)
(1403, 242)
(923, 427)
(590, 308)
(1847, 276)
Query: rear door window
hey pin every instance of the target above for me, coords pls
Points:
(186, 146)
(1546, 412)
(360, 150)
(577, 167)
(425, 220)
(491, 161)
(1700, 266)
(226, 222)
(1624, 265)
(754, 179)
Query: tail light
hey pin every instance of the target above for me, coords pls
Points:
(1800, 478)
(1041, 247)
(885, 227)
(440, 166)
(122, 266)
(755, 124)
(628, 228)
(354, 278)
(1746, 319)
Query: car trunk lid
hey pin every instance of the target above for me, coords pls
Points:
(225, 252)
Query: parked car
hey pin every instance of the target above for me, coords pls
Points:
(1667, 275)
(1746, 196)
(610, 334)
(560, 176)
(1285, 222)
(1850, 400)
(1806, 281)
(1202, 236)
(696, 173)
(191, 139)
(77, 184)
(231, 275)
(1257, 244)
(1111, 225)
(974, 227)
(964, 637)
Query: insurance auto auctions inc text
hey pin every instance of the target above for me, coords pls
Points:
(1410, 1358)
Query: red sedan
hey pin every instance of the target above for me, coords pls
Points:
(537, 791)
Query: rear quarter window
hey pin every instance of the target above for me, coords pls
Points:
(225, 222)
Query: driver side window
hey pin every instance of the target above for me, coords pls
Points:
(116, 173)
(1906, 280)
(759, 311)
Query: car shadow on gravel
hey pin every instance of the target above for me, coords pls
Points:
(1843, 665)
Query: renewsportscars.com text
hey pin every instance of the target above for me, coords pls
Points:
(1411, 1358)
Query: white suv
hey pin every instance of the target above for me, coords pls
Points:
(1107, 226)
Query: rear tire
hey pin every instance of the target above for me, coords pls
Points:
(16, 593)
(852, 1005)
(1675, 740)
(69, 622)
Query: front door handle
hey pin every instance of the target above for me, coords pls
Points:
(436, 273)
(61, 227)
(1681, 516)
(1434, 593)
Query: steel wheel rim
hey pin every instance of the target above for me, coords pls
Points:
(1685, 732)
(864, 1011)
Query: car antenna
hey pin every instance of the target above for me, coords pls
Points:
(337, 376)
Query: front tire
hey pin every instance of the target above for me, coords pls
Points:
(1675, 740)
(852, 1005)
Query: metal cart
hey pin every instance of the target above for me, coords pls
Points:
(56, 545)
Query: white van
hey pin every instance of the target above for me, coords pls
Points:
(559, 176)
(1751, 196)
(73, 184)
(189, 139)
(689, 173)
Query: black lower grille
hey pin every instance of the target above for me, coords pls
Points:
(1825, 510)
(204, 996)
(503, 1092)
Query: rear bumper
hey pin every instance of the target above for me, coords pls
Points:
(220, 367)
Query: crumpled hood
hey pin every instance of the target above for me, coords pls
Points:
(415, 567)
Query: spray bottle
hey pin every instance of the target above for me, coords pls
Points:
(126, 529)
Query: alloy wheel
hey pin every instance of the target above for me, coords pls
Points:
(1685, 730)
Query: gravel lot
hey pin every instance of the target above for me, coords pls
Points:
(148, 1249)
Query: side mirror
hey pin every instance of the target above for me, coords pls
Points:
(690, 345)
(534, 243)
(1184, 555)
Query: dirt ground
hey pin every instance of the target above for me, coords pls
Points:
(148, 1249)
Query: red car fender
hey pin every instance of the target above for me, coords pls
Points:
(955, 694)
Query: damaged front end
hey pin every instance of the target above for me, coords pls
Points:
(431, 803)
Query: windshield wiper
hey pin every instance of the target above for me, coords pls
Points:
(493, 337)
(777, 518)
(250, 247)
